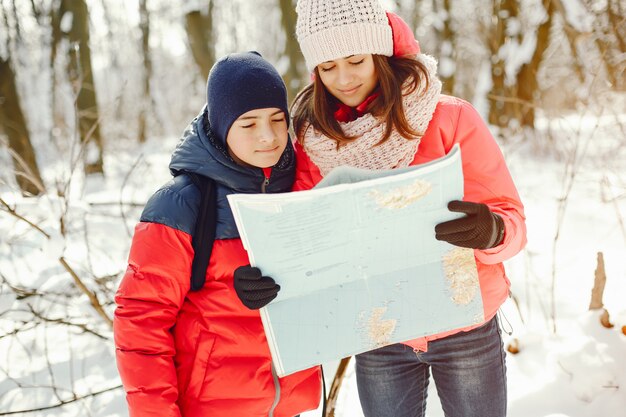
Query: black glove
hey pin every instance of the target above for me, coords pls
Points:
(253, 289)
(480, 229)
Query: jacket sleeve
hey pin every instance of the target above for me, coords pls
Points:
(307, 174)
(487, 180)
(148, 301)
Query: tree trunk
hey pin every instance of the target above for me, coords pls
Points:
(499, 96)
(609, 35)
(199, 27)
(81, 77)
(36, 11)
(294, 76)
(516, 101)
(18, 30)
(57, 36)
(527, 84)
(597, 292)
(572, 35)
(144, 24)
(416, 16)
(110, 24)
(616, 22)
(333, 394)
(13, 124)
(446, 41)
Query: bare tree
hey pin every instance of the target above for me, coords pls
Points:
(416, 15)
(199, 27)
(294, 75)
(609, 33)
(81, 77)
(144, 25)
(410, 11)
(573, 35)
(503, 12)
(13, 123)
(63, 316)
(446, 39)
(113, 30)
(514, 96)
(527, 84)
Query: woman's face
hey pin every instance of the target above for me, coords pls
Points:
(351, 79)
(258, 137)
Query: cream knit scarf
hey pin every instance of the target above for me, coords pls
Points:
(396, 152)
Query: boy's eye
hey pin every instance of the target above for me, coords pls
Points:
(247, 126)
(282, 119)
(358, 62)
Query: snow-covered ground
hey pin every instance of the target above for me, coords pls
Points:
(577, 371)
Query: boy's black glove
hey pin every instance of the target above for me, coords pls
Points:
(480, 229)
(253, 289)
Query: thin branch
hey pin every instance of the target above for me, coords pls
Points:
(5, 21)
(336, 386)
(26, 173)
(83, 327)
(14, 332)
(116, 203)
(572, 167)
(92, 296)
(20, 292)
(61, 403)
(36, 12)
(87, 245)
(24, 292)
(572, 34)
(23, 386)
(130, 171)
(606, 189)
(14, 213)
(515, 100)
(49, 367)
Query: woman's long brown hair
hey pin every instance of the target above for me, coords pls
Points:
(314, 106)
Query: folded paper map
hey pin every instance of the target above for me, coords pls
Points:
(358, 263)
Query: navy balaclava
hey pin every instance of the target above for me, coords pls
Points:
(239, 83)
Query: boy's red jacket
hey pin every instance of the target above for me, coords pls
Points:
(192, 354)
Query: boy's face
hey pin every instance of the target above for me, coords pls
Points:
(258, 138)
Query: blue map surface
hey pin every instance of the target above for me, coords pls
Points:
(358, 263)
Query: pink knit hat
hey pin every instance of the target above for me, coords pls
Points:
(332, 29)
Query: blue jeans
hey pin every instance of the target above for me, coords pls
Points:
(468, 369)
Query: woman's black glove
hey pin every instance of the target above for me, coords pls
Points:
(253, 289)
(480, 229)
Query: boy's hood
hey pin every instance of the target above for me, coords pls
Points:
(199, 152)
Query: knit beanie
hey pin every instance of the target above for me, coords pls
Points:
(238, 83)
(332, 29)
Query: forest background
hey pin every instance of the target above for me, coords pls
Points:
(95, 93)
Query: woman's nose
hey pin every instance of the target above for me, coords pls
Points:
(345, 76)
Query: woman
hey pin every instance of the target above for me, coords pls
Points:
(375, 102)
